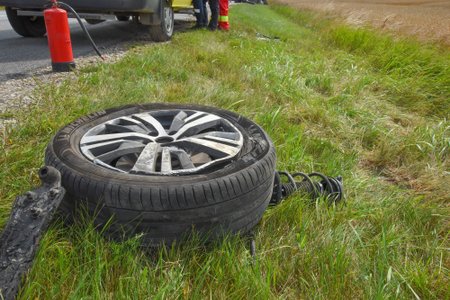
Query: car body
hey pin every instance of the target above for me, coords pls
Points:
(101, 6)
(26, 18)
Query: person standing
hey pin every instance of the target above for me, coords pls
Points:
(201, 14)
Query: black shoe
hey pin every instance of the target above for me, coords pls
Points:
(212, 27)
(197, 27)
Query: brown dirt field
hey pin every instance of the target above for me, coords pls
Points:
(425, 19)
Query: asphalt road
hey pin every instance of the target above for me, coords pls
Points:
(20, 56)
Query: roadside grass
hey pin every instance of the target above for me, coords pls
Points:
(334, 99)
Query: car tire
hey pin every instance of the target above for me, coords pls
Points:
(163, 31)
(123, 18)
(94, 21)
(228, 197)
(26, 26)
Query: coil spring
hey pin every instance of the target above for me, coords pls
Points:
(330, 188)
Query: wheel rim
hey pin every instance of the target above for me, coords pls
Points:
(168, 20)
(162, 142)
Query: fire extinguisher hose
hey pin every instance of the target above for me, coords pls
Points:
(83, 27)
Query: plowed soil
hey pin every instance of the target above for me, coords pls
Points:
(425, 19)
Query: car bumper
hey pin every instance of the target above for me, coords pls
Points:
(103, 6)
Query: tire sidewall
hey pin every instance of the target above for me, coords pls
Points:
(24, 25)
(166, 4)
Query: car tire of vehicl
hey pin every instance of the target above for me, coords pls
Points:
(229, 196)
(24, 25)
(94, 21)
(163, 31)
(122, 18)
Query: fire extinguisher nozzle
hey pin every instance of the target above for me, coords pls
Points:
(86, 32)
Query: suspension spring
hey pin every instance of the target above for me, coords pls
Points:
(327, 187)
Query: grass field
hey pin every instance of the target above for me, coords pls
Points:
(334, 99)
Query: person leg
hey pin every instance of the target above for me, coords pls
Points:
(199, 13)
(214, 6)
(205, 13)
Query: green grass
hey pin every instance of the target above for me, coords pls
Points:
(334, 99)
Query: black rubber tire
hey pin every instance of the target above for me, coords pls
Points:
(159, 33)
(123, 18)
(26, 26)
(230, 198)
(94, 21)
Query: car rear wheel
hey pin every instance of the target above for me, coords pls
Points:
(94, 21)
(123, 18)
(24, 25)
(163, 31)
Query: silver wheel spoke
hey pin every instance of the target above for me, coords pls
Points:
(221, 140)
(124, 149)
(103, 146)
(213, 148)
(185, 160)
(198, 125)
(194, 116)
(114, 136)
(220, 134)
(146, 162)
(177, 122)
(231, 138)
(166, 161)
(148, 120)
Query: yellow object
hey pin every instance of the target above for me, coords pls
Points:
(223, 18)
(181, 3)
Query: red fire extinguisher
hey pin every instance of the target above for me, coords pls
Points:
(58, 35)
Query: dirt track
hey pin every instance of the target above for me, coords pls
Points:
(426, 19)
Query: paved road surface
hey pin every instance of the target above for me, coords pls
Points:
(19, 56)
